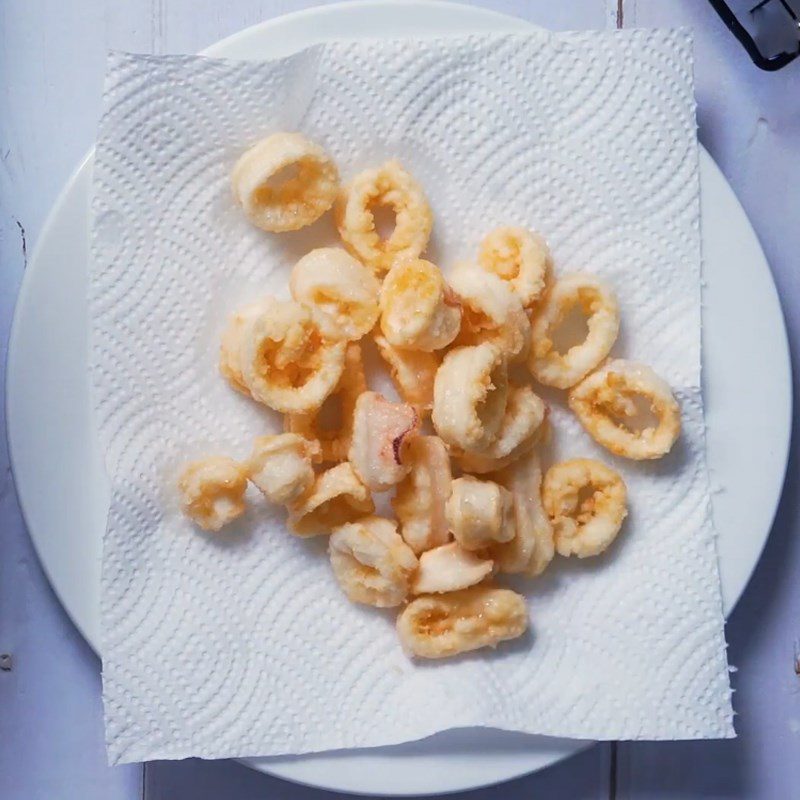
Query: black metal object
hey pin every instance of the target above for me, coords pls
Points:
(769, 63)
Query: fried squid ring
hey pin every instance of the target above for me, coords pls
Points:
(491, 312)
(285, 362)
(479, 513)
(295, 202)
(522, 427)
(336, 497)
(519, 257)
(372, 564)
(280, 466)
(448, 568)
(388, 185)
(420, 498)
(382, 433)
(532, 547)
(341, 290)
(413, 373)
(599, 304)
(605, 404)
(334, 441)
(212, 491)
(469, 396)
(418, 309)
(230, 365)
(584, 524)
(438, 626)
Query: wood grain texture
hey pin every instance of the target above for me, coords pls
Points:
(749, 121)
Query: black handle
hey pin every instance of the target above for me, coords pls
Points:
(770, 63)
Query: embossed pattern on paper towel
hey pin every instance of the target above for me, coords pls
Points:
(242, 644)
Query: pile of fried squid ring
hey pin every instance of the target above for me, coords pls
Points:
(460, 451)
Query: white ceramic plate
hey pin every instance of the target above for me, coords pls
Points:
(64, 493)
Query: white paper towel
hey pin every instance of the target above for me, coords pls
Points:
(242, 644)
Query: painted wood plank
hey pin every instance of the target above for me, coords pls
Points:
(749, 121)
(51, 724)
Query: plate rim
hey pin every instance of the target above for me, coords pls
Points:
(62, 201)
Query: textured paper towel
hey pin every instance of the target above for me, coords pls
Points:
(242, 644)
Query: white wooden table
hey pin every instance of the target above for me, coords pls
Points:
(51, 732)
